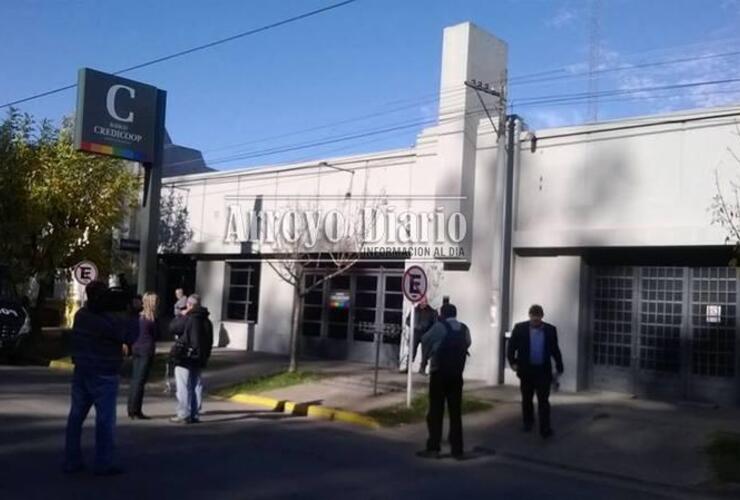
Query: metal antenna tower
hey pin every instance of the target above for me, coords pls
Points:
(594, 58)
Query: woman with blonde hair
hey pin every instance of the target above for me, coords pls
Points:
(143, 354)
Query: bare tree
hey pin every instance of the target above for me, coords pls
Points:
(725, 207)
(334, 248)
(174, 224)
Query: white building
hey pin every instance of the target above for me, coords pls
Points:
(610, 234)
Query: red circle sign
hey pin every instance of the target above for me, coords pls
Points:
(414, 283)
(85, 272)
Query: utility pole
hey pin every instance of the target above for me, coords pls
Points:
(486, 88)
(511, 126)
(510, 121)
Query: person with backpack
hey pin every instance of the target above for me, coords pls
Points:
(424, 318)
(445, 346)
(191, 352)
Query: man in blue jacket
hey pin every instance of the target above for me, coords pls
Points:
(532, 345)
(98, 344)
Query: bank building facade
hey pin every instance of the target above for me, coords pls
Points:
(605, 225)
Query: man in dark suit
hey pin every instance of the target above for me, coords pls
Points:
(532, 345)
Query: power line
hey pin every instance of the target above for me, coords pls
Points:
(559, 99)
(296, 170)
(557, 72)
(629, 67)
(673, 121)
(633, 98)
(586, 95)
(329, 140)
(411, 104)
(194, 49)
(531, 101)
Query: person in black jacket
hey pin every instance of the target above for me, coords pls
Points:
(176, 328)
(97, 343)
(532, 345)
(191, 353)
(424, 318)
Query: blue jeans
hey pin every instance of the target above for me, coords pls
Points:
(90, 389)
(189, 392)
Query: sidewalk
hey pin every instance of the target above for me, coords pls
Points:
(608, 434)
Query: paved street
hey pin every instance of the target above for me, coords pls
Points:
(242, 452)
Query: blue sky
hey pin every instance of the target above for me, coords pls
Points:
(238, 101)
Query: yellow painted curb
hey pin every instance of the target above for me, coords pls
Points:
(311, 410)
(343, 416)
(252, 399)
(61, 364)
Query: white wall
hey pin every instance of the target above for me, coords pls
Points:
(275, 309)
(637, 187)
(555, 284)
(209, 282)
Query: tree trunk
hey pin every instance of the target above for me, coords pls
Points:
(46, 288)
(295, 320)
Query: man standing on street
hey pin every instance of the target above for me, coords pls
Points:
(424, 318)
(532, 345)
(98, 342)
(192, 350)
(445, 345)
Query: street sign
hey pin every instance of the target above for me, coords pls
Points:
(85, 272)
(339, 300)
(125, 119)
(129, 245)
(415, 283)
(116, 116)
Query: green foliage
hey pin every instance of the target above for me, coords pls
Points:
(399, 414)
(57, 206)
(270, 382)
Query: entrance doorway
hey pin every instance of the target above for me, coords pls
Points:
(666, 332)
(342, 316)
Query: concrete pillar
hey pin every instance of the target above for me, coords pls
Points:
(467, 53)
(476, 176)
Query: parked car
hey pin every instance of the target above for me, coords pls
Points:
(15, 325)
(15, 322)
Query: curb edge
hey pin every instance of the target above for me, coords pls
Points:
(310, 410)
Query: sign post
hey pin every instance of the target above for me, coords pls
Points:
(149, 236)
(125, 119)
(414, 289)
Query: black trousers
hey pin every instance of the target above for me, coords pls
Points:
(142, 363)
(536, 380)
(441, 389)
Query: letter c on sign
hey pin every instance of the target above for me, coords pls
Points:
(110, 102)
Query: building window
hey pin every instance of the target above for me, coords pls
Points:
(313, 306)
(242, 299)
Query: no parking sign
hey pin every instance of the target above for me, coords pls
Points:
(414, 286)
(415, 283)
(85, 272)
